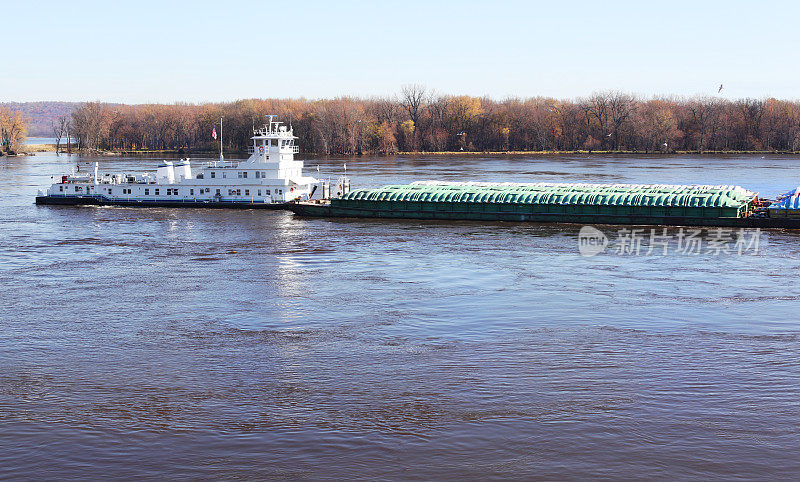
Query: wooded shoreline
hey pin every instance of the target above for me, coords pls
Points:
(419, 121)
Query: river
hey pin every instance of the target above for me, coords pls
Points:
(168, 343)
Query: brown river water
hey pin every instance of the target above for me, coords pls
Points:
(189, 343)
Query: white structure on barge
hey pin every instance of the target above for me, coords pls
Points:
(270, 177)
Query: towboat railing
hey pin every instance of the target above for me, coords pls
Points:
(275, 150)
(221, 164)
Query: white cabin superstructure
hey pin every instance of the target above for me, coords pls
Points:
(270, 176)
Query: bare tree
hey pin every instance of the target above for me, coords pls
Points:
(59, 129)
(68, 127)
(597, 108)
(91, 121)
(752, 110)
(705, 117)
(620, 107)
(385, 110)
(413, 100)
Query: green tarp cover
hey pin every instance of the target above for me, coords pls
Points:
(561, 193)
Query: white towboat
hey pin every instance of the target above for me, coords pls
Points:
(269, 178)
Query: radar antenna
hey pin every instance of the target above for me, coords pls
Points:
(271, 116)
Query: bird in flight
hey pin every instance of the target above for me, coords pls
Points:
(720, 89)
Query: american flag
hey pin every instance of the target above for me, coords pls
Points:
(214, 133)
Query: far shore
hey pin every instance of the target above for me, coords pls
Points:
(33, 148)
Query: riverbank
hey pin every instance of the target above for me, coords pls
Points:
(213, 152)
(29, 149)
(51, 148)
(592, 152)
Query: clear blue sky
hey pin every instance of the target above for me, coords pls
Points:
(165, 51)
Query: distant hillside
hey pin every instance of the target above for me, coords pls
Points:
(42, 114)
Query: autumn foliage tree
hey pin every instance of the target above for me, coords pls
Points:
(418, 120)
(13, 130)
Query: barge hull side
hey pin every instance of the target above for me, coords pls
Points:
(322, 210)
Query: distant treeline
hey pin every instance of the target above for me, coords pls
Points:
(417, 120)
(41, 116)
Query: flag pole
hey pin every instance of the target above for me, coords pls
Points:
(221, 158)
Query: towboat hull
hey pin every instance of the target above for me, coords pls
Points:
(101, 201)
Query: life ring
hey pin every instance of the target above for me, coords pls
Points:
(261, 149)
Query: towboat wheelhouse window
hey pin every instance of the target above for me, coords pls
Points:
(146, 192)
(213, 174)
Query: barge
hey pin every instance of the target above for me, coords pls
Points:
(581, 203)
